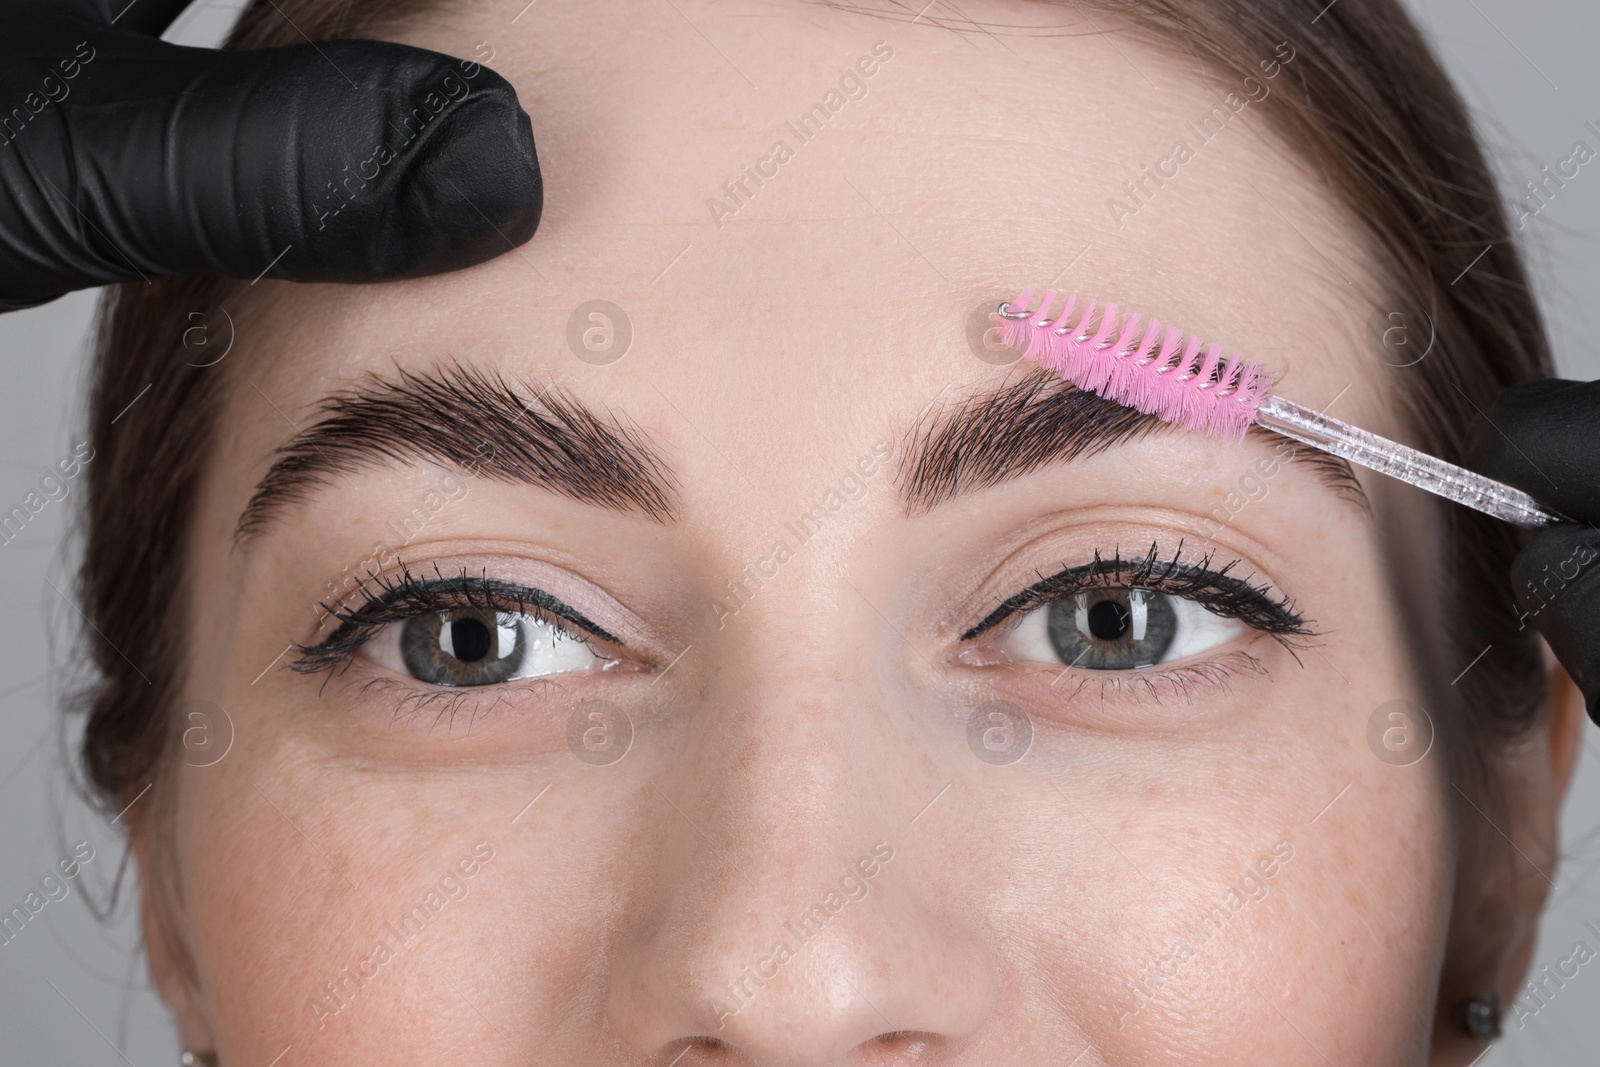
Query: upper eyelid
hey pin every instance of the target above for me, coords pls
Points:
(1152, 576)
(353, 634)
(512, 595)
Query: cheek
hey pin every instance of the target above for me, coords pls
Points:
(1126, 872)
(298, 866)
(1381, 876)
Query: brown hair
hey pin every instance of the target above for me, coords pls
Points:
(1371, 112)
(141, 489)
(1367, 106)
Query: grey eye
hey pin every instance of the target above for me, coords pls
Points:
(1114, 629)
(463, 646)
(476, 646)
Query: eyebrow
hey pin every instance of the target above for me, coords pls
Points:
(473, 419)
(1037, 420)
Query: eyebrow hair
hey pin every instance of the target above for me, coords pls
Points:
(473, 419)
(1036, 420)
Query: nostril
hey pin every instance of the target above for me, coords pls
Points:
(885, 1050)
(707, 1049)
(897, 1047)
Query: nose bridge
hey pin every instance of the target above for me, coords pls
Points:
(803, 702)
(780, 784)
(782, 929)
(811, 743)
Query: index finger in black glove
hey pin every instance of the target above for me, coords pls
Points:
(1544, 438)
(124, 157)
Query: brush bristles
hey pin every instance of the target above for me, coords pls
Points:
(1184, 382)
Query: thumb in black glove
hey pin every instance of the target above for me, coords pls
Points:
(1544, 438)
(124, 157)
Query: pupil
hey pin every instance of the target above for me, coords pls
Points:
(1109, 620)
(470, 639)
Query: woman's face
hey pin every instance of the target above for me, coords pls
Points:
(688, 753)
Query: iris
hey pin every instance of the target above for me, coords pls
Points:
(464, 646)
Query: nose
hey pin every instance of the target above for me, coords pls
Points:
(797, 915)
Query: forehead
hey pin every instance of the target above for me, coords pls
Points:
(788, 200)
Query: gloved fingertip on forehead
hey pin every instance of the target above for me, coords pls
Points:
(463, 189)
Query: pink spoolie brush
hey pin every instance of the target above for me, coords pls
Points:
(1188, 383)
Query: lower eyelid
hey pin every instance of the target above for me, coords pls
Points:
(1106, 699)
(411, 702)
(1184, 681)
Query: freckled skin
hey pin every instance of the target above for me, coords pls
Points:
(1023, 901)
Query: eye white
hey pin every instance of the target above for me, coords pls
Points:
(1199, 630)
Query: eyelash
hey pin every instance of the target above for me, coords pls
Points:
(393, 599)
(1210, 586)
(405, 596)
(1215, 587)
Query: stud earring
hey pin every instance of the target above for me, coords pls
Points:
(1479, 1016)
(198, 1059)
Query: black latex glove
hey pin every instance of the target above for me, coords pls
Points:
(1545, 440)
(123, 157)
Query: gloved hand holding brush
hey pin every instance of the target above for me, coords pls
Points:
(1539, 467)
(1545, 440)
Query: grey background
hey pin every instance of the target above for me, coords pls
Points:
(73, 990)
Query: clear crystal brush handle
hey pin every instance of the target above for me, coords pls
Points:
(1407, 464)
